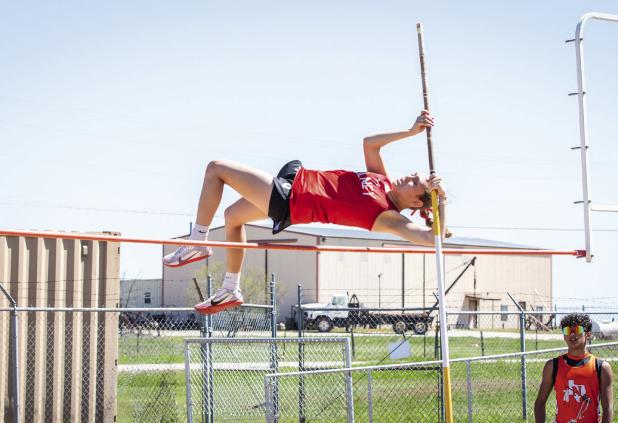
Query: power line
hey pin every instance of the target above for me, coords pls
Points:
(98, 209)
(177, 213)
(201, 129)
(529, 228)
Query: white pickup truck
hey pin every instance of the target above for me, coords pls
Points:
(345, 312)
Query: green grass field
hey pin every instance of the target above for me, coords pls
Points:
(159, 395)
(367, 350)
(409, 396)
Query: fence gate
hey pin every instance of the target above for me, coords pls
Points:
(225, 376)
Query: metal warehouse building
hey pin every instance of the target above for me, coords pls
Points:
(386, 280)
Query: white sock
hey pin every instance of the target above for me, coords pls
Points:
(199, 232)
(231, 281)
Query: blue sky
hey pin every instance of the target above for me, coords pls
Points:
(109, 112)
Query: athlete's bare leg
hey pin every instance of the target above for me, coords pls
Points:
(236, 215)
(252, 184)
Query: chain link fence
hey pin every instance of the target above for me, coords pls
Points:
(94, 364)
(151, 382)
(61, 365)
(225, 377)
(105, 365)
(396, 335)
(498, 388)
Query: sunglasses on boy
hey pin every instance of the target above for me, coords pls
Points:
(577, 330)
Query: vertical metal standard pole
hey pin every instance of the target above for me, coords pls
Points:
(273, 347)
(301, 357)
(469, 384)
(583, 137)
(583, 120)
(439, 374)
(448, 404)
(14, 387)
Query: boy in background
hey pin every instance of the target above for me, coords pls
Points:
(583, 382)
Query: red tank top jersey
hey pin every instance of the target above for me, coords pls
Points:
(577, 391)
(339, 196)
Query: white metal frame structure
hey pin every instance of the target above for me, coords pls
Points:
(270, 356)
(583, 127)
(464, 388)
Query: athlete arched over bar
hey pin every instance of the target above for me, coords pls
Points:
(369, 199)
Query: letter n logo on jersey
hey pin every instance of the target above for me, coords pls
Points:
(368, 184)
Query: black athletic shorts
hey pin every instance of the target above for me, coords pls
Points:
(279, 205)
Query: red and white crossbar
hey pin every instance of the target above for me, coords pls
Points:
(269, 246)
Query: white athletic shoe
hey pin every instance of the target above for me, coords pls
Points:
(185, 255)
(223, 299)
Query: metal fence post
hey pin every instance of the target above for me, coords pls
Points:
(482, 343)
(299, 312)
(349, 383)
(268, 394)
(469, 384)
(370, 395)
(210, 375)
(301, 357)
(14, 358)
(524, 391)
(188, 384)
(274, 366)
(522, 342)
(206, 332)
(273, 303)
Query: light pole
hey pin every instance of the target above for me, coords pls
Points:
(379, 290)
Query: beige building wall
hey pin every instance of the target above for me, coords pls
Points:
(410, 279)
(485, 285)
(67, 361)
(138, 293)
(376, 279)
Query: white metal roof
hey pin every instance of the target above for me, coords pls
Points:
(336, 231)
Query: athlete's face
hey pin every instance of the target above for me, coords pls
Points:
(576, 337)
(410, 189)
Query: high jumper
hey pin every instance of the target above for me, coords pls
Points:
(370, 199)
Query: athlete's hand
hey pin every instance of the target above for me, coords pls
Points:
(424, 120)
(435, 183)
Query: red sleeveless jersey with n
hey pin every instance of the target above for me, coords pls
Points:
(577, 391)
(339, 196)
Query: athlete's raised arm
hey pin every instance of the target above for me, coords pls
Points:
(372, 144)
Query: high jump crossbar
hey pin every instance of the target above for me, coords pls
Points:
(269, 246)
(583, 127)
